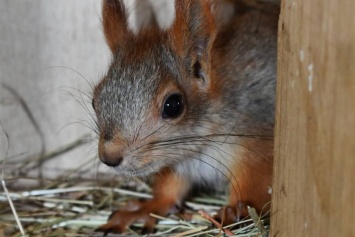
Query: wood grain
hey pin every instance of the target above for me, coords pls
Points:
(314, 170)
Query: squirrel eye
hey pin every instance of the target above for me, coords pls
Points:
(173, 107)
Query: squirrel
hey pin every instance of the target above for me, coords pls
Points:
(191, 105)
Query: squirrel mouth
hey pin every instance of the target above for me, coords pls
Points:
(142, 172)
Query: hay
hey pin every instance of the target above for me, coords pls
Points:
(70, 206)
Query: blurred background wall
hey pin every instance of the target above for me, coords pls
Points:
(51, 52)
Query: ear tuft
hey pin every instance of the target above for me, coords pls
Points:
(114, 23)
(193, 35)
(125, 18)
(194, 28)
(145, 14)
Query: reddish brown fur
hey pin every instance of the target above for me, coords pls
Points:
(168, 190)
(113, 23)
(253, 176)
(180, 29)
(252, 173)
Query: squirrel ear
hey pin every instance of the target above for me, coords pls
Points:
(149, 14)
(114, 22)
(123, 19)
(194, 32)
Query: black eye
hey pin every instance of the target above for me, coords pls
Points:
(173, 106)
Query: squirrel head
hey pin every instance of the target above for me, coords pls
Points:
(156, 87)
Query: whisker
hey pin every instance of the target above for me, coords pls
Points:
(154, 132)
(205, 162)
(93, 123)
(73, 70)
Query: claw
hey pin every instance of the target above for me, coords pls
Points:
(147, 230)
(163, 201)
(230, 215)
(114, 224)
(134, 211)
(105, 231)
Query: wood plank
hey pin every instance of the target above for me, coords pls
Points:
(314, 170)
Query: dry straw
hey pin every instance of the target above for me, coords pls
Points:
(74, 206)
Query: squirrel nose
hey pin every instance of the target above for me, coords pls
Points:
(112, 161)
(110, 153)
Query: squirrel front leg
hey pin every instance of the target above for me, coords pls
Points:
(168, 191)
(250, 182)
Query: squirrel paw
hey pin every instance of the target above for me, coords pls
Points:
(230, 215)
(134, 211)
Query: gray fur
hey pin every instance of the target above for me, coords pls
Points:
(245, 61)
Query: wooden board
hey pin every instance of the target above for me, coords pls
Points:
(314, 170)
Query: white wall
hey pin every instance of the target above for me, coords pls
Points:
(37, 39)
